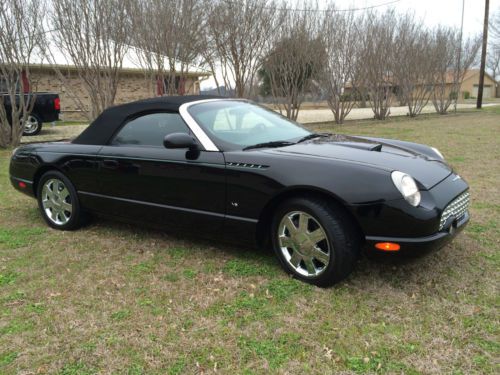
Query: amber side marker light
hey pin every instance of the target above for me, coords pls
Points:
(22, 185)
(387, 246)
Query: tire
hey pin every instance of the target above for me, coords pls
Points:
(33, 125)
(319, 258)
(58, 201)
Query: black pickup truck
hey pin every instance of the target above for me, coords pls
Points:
(46, 109)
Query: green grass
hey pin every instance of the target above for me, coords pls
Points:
(76, 368)
(8, 278)
(115, 298)
(120, 315)
(7, 358)
(274, 352)
(19, 237)
(250, 265)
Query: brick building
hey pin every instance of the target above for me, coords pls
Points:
(134, 84)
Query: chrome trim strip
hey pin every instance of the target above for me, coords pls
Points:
(184, 162)
(195, 128)
(191, 210)
(231, 217)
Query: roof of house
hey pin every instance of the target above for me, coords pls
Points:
(100, 131)
(472, 72)
(450, 78)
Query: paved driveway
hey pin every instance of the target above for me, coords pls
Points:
(308, 116)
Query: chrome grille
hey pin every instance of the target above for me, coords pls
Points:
(458, 207)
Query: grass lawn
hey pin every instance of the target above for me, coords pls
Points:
(113, 298)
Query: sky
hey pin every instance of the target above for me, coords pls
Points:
(434, 12)
(431, 12)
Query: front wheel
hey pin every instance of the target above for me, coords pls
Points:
(58, 201)
(314, 241)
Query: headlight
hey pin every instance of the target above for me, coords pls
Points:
(407, 187)
(438, 152)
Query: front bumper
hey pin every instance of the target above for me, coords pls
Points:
(416, 229)
(423, 244)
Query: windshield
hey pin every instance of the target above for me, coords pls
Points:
(234, 125)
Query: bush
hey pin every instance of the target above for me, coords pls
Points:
(466, 95)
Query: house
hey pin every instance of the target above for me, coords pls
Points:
(468, 89)
(470, 84)
(135, 82)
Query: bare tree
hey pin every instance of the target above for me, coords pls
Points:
(450, 62)
(493, 62)
(294, 61)
(172, 42)
(412, 67)
(94, 37)
(494, 25)
(240, 32)
(342, 63)
(21, 41)
(377, 54)
(494, 50)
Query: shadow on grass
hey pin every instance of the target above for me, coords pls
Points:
(395, 270)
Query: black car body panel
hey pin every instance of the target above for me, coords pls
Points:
(233, 192)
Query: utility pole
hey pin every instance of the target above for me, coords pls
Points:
(483, 55)
(460, 52)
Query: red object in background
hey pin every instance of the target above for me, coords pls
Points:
(25, 82)
(182, 86)
(57, 104)
(159, 86)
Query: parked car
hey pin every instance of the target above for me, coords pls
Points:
(230, 168)
(46, 109)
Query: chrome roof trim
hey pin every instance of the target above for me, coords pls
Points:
(195, 127)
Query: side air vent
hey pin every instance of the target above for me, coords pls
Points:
(247, 165)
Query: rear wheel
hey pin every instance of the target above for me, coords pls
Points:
(58, 201)
(32, 125)
(314, 241)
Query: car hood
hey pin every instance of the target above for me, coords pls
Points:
(379, 153)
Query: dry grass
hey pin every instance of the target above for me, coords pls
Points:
(113, 298)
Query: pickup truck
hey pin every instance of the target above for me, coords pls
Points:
(46, 109)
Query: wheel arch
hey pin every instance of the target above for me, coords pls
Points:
(266, 216)
(40, 172)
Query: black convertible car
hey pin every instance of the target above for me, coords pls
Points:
(224, 167)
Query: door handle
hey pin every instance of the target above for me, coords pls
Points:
(110, 164)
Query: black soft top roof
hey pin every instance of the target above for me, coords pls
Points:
(100, 131)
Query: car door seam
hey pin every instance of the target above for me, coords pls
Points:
(192, 210)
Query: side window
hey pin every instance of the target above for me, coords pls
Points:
(150, 129)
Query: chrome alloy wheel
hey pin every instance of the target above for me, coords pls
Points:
(56, 201)
(304, 244)
(30, 125)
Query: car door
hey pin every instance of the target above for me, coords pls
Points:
(143, 181)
